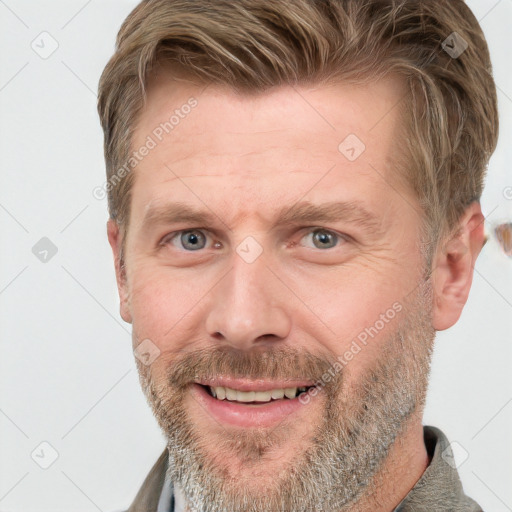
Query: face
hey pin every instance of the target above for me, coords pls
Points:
(268, 250)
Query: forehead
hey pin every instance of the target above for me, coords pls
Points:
(370, 109)
(283, 143)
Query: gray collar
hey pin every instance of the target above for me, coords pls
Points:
(439, 488)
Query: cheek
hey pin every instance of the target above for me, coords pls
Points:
(360, 309)
(164, 304)
(347, 302)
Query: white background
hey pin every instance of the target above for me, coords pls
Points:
(67, 373)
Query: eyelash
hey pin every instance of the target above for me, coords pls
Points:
(340, 236)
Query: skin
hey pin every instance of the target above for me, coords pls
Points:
(243, 158)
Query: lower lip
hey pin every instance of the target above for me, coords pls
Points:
(237, 414)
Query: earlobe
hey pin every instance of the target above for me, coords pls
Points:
(115, 241)
(453, 268)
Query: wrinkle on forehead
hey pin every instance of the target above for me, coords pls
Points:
(277, 139)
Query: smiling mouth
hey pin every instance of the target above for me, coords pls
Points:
(222, 393)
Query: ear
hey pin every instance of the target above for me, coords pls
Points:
(115, 240)
(453, 266)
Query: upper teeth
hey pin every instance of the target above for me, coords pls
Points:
(222, 393)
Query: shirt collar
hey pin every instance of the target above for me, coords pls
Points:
(439, 488)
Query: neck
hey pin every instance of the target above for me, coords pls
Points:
(407, 461)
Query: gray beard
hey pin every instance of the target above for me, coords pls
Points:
(337, 466)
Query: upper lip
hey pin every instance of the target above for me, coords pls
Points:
(254, 385)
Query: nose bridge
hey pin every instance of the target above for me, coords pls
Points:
(246, 306)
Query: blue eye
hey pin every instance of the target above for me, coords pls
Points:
(323, 239)
(193, 240)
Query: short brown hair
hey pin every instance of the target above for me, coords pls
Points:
(254, 45)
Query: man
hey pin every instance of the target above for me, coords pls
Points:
(294, 195)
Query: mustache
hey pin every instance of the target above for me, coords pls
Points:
(258, 363)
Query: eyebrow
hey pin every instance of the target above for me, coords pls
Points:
(302, 212)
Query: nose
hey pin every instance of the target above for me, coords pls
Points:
(248, 306)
